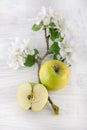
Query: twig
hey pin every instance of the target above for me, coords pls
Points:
(46, 38)
(39, 61)
(45, 55)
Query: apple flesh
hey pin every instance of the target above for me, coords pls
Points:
(32, 96)
(54, 74)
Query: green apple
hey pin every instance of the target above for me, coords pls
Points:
(32, 96)
(54, 74)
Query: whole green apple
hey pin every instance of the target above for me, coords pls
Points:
(54, 74)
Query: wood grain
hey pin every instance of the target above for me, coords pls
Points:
(15, 21)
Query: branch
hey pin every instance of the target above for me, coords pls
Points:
(39, 61)
(46, 38)
(45, 55)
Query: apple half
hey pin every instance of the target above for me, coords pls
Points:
(32, 96)
(54, 74)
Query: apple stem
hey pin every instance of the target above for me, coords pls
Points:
(55, 107)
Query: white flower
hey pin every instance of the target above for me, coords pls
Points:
(53, 14)
(46, 21)
(46, 15)
(41, 15)
(62, 53)
(66, 51)
(17, 52)
(65, 28)
(64, 25)
(58, 57)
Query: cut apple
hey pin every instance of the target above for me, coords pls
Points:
(32, 96)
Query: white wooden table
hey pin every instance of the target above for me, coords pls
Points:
(15, 21)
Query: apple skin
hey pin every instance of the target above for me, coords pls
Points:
(54, 74)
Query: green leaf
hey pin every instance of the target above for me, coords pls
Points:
(69, 65)
(61, 39)
(36, 52)
(37, 27)
(30, 59)
(54, 48)
(55, 56)
(52, 24)
(62, 59)
(54, 33)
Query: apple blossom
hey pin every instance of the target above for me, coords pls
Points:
(17, 52)
(46, 16)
